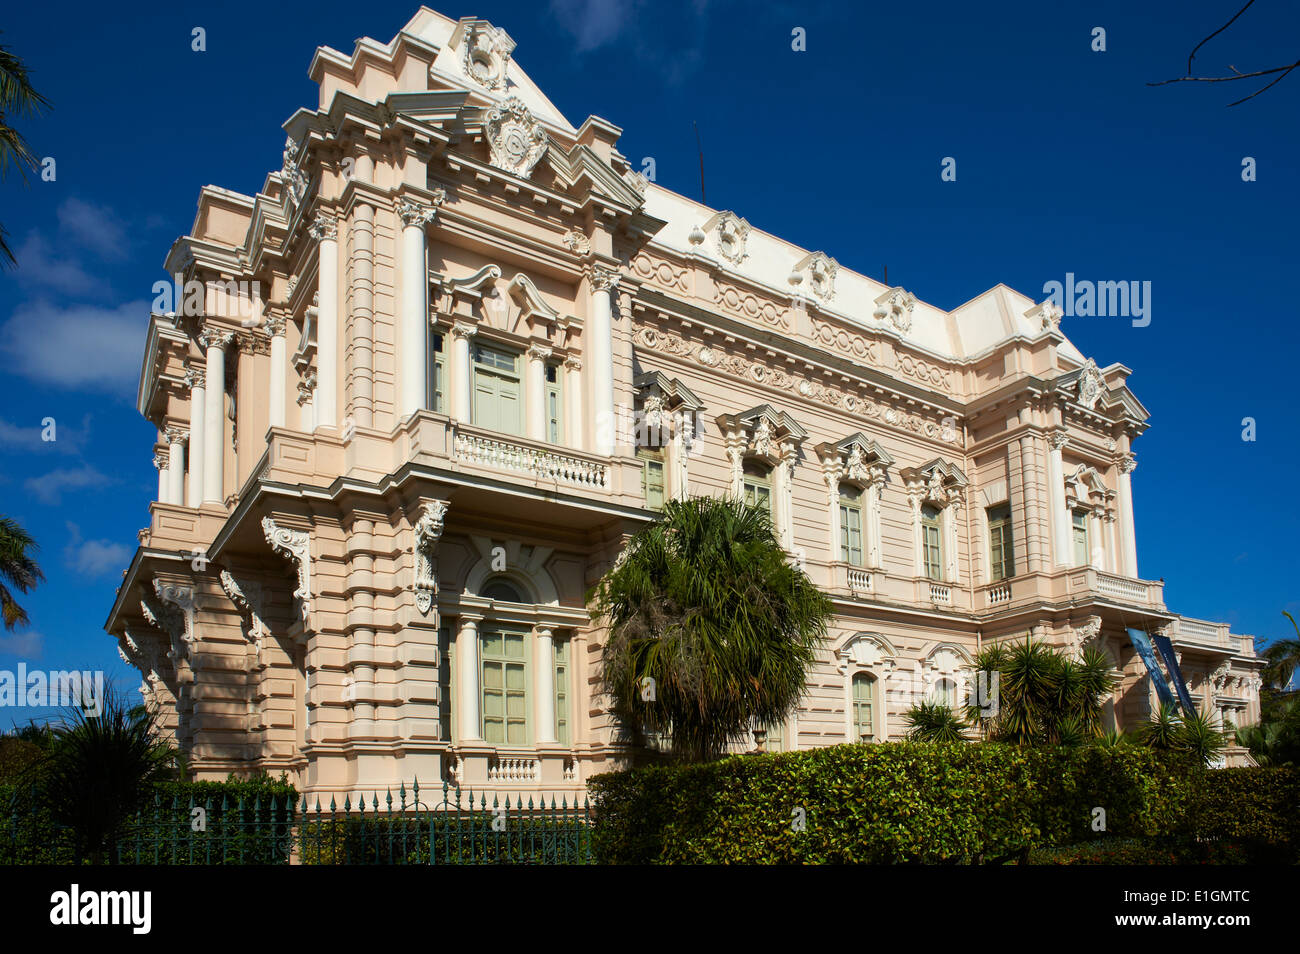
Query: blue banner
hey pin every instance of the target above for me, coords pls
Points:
(1142, 643)
(1171, 663)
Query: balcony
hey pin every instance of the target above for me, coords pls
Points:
(492, 451)
(1077, 584)
(1203, 634)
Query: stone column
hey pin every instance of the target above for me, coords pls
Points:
(362, 343)
(413, 330)
(875, 488)
(1059, 516)
(833, 505)
(214, 416)
(915, 500)
(1115, 558)
(160, 462)
(1029, 483)
(325, 230)
(198, 439)
(544, 685)
(467, 690)
(279, 371)
(601, 356)
(574, 423)
(1127, 464)
(1096, 540)
(535, 391)
(462, 371)
(360, 626)
(176, 439)
(951, 517)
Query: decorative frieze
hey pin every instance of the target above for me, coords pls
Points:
(751, 306)
(659, 272)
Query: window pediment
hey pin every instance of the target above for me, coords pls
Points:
(763, 432)
(939, 482)
(857, 459)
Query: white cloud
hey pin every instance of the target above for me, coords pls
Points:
(28, 644)
(594, 23)
(49, 488)
(94, 227)
(93, 557)
(77, 346)
(38, 264)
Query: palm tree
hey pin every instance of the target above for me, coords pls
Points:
(17, 568)
(1283, 657)
(1043, 696)
(17, 98)
(711, 629)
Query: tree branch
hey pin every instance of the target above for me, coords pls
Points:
(1191, 56)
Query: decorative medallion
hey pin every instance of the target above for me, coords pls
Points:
(486, 53)
(819, 270)
(1090, 385)
(896, 306)
(516, 139)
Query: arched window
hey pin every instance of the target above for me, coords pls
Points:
(864, 692)
(758, 486)
(502, 590)
(945, 693)
(851, 524)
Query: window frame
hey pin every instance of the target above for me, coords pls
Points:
(1002, 554)
(524, 662)
(851, 520)
(868, 679)
(757, 483)
(933, 571)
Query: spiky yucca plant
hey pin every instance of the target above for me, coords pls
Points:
(934, 722)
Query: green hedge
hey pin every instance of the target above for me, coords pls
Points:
(247, 822)
(895, 803)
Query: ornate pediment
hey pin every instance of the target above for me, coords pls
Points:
(867, 651)
(939, 482)
(532, 307)
(762, 431)
(815, 273)
(1086, 486)
(857, 458)
(516, 139)
(895, 307)
(730, 236)
(484, 52)
(666, 407)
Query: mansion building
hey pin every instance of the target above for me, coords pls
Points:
(421, 389)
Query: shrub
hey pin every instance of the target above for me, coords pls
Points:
(895, 803)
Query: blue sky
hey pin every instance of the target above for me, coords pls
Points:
(1066, 162)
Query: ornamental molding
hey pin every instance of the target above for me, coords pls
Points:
(730, 236)
(195, 379)
(603, 279)
(660, 272)
(161, 459)
(1126, 463)
(215, 338)
(275, 326)
(668, 409)
(751, 306)
(428, 531)
(759, 373)
(296, 546)
(895, 306)
(485, 52)
(1090, 385)
(306, 386)
(515, 138)
(940, 482)
(762, 432)
(1085, 487)
(856, 346)
(870, 651)
(857, 459)
(577, 243)
(324, 228)
(174, 614)
(419, 214)
(177, 435)
(1089, 631)
(254, 344)
(816, 273)
(248, 599)
(923, 371)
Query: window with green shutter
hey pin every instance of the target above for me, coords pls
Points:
(562, 691)
(554, 405)
(932, 542)
(1001, 551)
(1082, 555)
(864, 692)
(437, 375)
(652, 477)
(758, 487)
(504, 685)
(850, 524)
(497, 402)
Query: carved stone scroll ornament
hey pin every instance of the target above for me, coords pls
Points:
(247, 597)
(295, 545)
(428, 530)
(516, 139)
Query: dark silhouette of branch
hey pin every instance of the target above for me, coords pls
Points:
(1236, 73)
(1191, 56)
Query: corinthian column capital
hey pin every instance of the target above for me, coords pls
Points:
(324, 226)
